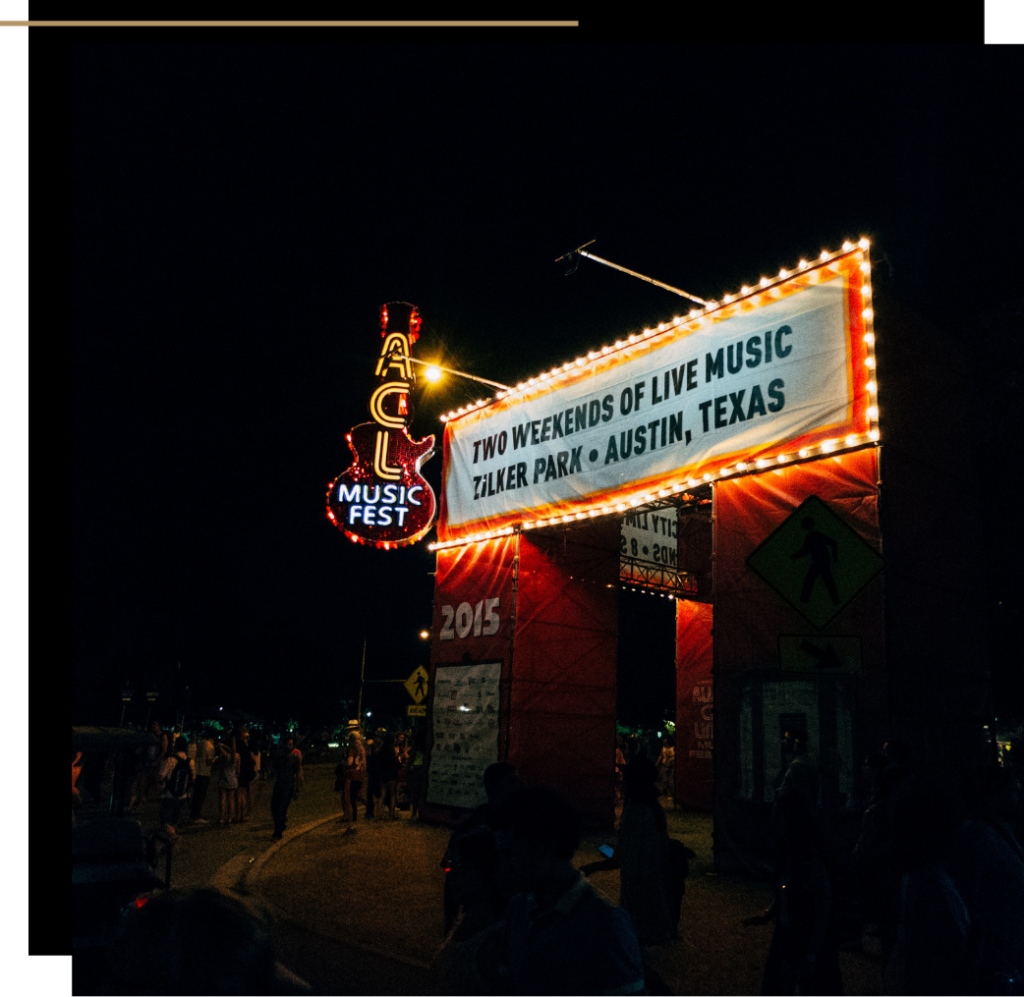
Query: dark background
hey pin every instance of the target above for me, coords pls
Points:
(241, 211)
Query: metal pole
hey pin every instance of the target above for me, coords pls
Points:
(511, 651)
(459, 373)
(715, 684)
(362, 672)
(650, 280)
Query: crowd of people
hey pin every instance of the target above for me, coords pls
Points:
(380, 769)
(520, 918)
(181, 771)
(380, 772)
(938, 872)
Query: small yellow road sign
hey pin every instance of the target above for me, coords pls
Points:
(416, 684)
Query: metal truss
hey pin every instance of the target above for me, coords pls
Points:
(643, 573)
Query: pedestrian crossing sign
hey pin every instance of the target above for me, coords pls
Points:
(416, 684)
(816, 562)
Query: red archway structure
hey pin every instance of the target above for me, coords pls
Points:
(805, 624)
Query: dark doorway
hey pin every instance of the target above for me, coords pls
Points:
(646, 678)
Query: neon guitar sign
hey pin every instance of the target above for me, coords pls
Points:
(382, 499)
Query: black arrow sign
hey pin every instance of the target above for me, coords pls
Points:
(826, 656)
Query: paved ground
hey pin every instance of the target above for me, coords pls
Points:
(362, 913)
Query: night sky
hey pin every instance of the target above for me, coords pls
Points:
(240, 213)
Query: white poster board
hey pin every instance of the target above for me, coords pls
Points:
(649, 545)
(466, 708)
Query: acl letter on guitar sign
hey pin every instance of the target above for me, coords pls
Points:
(382, 498)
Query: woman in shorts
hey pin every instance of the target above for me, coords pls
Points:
(228, 765)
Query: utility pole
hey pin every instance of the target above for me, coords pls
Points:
(362, 672)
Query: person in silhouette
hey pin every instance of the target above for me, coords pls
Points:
(935, 950)
(804, 949)
(644, 857)
(823, 552)
(200, 941)
(500, 781)
(559, 935)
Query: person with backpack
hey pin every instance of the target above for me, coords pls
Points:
(177, 774)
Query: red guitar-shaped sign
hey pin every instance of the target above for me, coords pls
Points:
(382, 498)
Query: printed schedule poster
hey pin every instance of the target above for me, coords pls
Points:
(466, 702)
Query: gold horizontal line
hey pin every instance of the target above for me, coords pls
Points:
(289, 24)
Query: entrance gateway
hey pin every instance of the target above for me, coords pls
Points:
(748, 428)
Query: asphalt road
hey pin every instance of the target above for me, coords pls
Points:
(362, 913)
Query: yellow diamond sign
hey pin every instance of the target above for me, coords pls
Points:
(416, 684)
(816, 562)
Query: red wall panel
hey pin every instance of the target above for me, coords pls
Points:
(750, 617)
(562, 729)
(694, 706)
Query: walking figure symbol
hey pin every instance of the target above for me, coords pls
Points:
(823, 552)
(420, 689)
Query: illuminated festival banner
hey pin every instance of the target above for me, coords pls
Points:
(382, 498)
(762, 378)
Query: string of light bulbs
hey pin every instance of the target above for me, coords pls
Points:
(549, 380)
